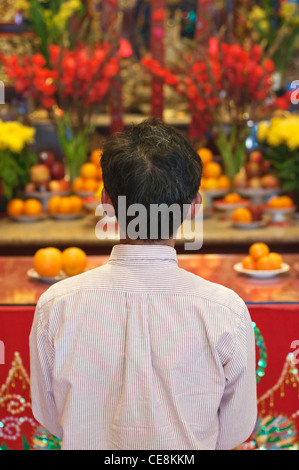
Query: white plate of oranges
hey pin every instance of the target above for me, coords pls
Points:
(29, 210)
(66, 207)
(261, 262)
(52, 265)
(230, 202)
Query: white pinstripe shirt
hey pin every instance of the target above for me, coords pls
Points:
(141, 354)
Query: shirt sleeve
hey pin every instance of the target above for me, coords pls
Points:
(41, 363)
(238, 408)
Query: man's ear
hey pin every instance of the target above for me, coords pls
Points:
(107, 203)
(194, 207)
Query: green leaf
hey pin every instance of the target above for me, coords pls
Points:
(26, 445)
(39, 24)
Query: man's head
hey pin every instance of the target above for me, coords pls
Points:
(151, 164)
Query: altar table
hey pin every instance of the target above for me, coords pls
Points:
(274, 309)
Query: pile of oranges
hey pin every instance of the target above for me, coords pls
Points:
(65, 205)
(50, 261)
(261, 258)
(30, 207)
(212, 177)
(280, 202)
(90, 178)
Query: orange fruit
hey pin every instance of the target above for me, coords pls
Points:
(203, 183)
(264, 263)
(259, 250)
(242, 215)
(53, 204)
(276, 260)
(212, 170)
(95, 156)
(15, 207)
(89, 171)
(286, 201)
(223, 182)
(211, 184)
(99, 173)
(90, 185)
(47, 262)
(274, 202)
(77, 184)
(76, 204)
(99, 190)
(64, 206)
(232, 198)
(74, 261)
(248, 263)
(280, 202)
(32, 207)
(205, 154)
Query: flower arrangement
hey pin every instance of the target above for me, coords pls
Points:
(276, 28)
(15, 156)
(279, 141)
(71, 87)
(50, 21)
(226, 85)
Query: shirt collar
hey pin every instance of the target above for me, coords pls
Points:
(131, 253)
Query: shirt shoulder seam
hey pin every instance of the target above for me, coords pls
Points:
(42, 304)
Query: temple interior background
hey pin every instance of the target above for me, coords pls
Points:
(225, 73)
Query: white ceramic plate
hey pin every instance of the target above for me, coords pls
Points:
(283, 210)
(225, 206)
(214, 192)
(85, 193)
(250, 225)
(67, 216)
(49, 280)
(249, 192)
(279, 215)
(261, 274)
(28, 218)
(45, 194)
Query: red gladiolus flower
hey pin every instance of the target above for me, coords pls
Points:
(158, 15)
(38, 60)
(125, 48)
(82, 75)
(226, 72)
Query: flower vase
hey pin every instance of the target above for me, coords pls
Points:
(232, 149)
(74, 144)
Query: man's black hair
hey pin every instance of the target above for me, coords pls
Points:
(151, 163)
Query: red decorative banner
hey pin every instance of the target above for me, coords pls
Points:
(110, 25)
(158, 8)
(202, 28)
(201, 35)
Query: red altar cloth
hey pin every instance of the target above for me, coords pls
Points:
(276, 318)
(275, 322)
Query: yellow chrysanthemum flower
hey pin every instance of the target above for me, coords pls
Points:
(290, 12)
(282, 130)
(262, 131)
(257, 13)
(22, 5)
(14, 136)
